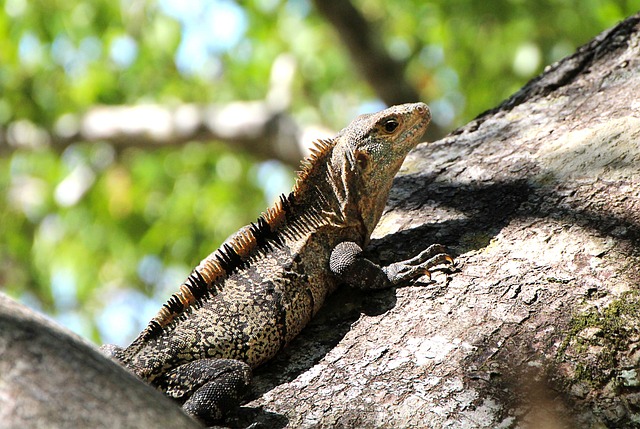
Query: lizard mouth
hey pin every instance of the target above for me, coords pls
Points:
(418, 123)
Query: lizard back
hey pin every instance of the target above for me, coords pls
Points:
(254, 294)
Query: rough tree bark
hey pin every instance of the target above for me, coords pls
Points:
(51, 378)
(539, 326)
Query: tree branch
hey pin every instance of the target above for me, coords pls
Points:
(261, 128)
(51, 378)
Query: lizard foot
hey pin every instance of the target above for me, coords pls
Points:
(418, 266)
(209, 387)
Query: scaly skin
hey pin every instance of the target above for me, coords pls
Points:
(250, 298)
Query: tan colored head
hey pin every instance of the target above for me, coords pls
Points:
(367, 155)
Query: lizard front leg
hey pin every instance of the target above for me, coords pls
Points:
(348, 263)
(207, 388)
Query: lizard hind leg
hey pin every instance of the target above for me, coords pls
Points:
(208, 388)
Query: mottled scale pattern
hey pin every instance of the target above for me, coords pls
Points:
(257, 312)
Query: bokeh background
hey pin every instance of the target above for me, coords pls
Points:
(135, 136)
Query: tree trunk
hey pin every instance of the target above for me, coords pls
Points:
(539, 325)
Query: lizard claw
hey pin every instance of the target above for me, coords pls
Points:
(418, 266)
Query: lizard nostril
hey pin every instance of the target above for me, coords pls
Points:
(421, 109)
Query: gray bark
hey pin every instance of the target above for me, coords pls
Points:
(50, 378)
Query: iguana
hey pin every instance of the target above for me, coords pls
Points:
(247, 300)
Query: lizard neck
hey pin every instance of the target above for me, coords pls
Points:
(357, 203)
(329, 184)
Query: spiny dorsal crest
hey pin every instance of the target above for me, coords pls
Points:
(278, 222)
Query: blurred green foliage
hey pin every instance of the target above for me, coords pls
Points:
(99, 238)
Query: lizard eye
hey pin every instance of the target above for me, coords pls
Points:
(390, 125)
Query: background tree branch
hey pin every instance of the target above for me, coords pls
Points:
(261, 127)
(245, 126)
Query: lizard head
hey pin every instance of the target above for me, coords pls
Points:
(368, 154)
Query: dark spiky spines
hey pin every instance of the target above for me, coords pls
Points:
(229, 259)
(262, 232)
(194, 288)
(209, 275)
(281, 221)
(216, 267)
